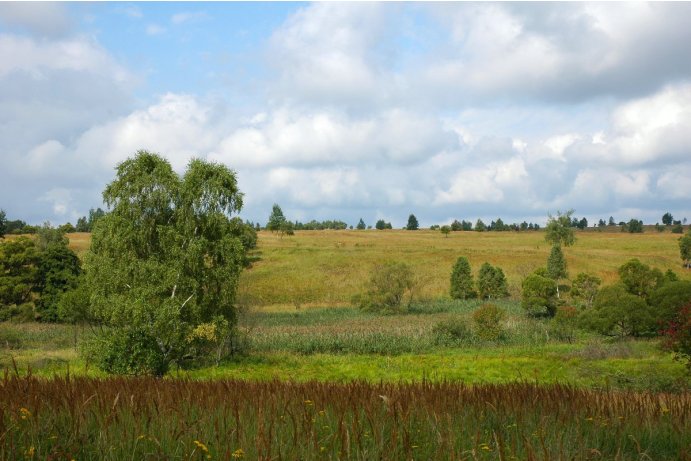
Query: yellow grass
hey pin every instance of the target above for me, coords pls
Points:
(329, 267)
(326, 268)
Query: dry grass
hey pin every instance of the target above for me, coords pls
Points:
(329, 267)
(326, 268)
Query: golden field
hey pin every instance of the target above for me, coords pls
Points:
(326, 268)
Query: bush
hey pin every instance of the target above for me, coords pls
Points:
(452, 331)
(677, 334)
(488, 322)
(539, 295)
(462, 280)
(387, 287)
(668, 300)
(563, 325)
(584, 288)
(491, 282)
(618, 312)
(129, 351)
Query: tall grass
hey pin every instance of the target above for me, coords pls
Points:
(120, 418)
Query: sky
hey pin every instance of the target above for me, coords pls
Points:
(355, 110)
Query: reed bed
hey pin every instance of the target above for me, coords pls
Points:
(127, 418)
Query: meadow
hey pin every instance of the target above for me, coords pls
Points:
(315, 378)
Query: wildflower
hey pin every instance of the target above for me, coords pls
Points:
(322, 449)
(309, 403)
(141, 437)
(239, 453)
(24, 413)
(322, 413)
(484, 446)
(201, 446)
(664, 410)
(29, 453)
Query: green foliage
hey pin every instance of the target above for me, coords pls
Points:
(678, 229)
(445, 230)
(480, 226)
(488, 320)
(639, 279)
(634, 226)
(381, 225)
(276, 220)
(539, 294)
(18, 271)
(565, 323)
(462, 280)
(452, 331)
(58, 272)
(74, 304)
(559, 230)
(48, 236)
(412, 223)
(361, 225)
(491, 282)
(163, 261)
(668, 299)
(387, 287)
(556, 264)
(618, 312)
(667, 219)
(685, 249)
(584, 288)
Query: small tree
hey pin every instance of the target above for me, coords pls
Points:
(634, 226)
(361, 225)
(617, 312)
(480, 226)
(491, 282)
(277, 222)
(559, 230)
(387, 287)
(58, 271)
(538, 294)
(685, 249)
(445, 230)
(639, 279)
(18, 271)
(412, 223)
(667, 219)
(462, 280)
(584, 288)
(556, 266)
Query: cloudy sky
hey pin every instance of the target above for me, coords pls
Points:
(342, 111)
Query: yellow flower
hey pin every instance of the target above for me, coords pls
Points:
(309, 403)
(24, 413)
(239, 453)
(201, 446)
(322, 413)
(484, 446)
(29, 453)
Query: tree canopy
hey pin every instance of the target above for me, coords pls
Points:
(412, 223)
(164, 264)
(462, 285)
(559, 230)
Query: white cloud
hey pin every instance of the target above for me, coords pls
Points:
(188, 16)
(155, 29)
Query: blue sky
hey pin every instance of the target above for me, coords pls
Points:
(350, 110)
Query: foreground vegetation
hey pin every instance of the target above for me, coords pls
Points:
(145, 418)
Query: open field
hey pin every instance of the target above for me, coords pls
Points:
(326, 268)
